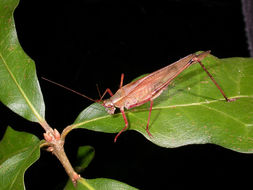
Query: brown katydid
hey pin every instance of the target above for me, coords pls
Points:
(147, 88)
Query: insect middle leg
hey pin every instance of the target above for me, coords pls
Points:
(150, 109)
(126, 124)
(121, 80)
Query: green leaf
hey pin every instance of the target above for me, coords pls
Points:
(98, 184)
(18, 151)
(19, 86)
(192, 110)
(85, 155)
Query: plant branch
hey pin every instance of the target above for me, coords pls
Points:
(59, 152)
(55, 144)
(46, 127)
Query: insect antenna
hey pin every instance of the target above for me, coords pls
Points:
(60, 85)
(100, 97)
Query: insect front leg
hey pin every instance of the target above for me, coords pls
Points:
(106, 91)
(126, 124)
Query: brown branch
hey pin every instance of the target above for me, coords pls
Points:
(55, 144)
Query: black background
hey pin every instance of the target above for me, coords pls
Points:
(82, 43)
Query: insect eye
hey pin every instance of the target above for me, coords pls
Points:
(107, 104)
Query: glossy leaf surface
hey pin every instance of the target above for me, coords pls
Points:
(191, 110)
(19, 86)
(98, 184)
(18, 151)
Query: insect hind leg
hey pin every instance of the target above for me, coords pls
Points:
(198, 59)
(149, 114)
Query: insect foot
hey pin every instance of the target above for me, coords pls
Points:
(231, 99)
(149, 134)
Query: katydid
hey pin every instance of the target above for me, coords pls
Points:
(149, 87)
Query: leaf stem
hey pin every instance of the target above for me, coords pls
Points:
(46, 127)
(66, 131)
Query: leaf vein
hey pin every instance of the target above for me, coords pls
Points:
(156, 108)
(225, 114)
(37, 115)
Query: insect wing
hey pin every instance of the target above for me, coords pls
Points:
(157, 79)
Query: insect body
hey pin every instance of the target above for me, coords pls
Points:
(147, 88)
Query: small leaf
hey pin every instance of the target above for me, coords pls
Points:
(98, 184)
(19, 86)
(18, 151)
(191, 110)
(85, 155)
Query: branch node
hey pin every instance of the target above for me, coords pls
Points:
(75, 178)
(47, 137)
(50, 149)
(55, 143)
